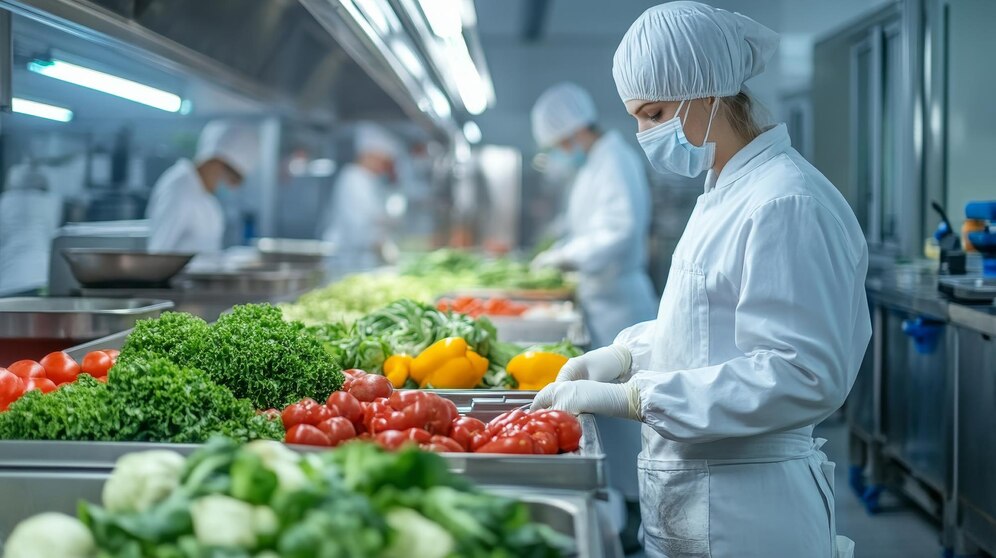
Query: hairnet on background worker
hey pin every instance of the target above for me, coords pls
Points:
(607, 225)
(358, 223)
(763, 323)
(184, 212)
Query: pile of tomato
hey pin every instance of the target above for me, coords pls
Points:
(369, 408)
(476, 307)
(55, 370)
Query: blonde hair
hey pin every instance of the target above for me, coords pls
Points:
(740, 111)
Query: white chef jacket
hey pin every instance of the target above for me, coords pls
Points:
(29, 219)
(761, 330)
(183, 215)
(359, 217)
(608, 221)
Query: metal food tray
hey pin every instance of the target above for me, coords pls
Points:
(524, 295)
(533, 331)
(256, 282)
(46, 488)
(73, 318)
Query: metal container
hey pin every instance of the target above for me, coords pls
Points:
(34, 327)
(293, 250)
(267, 282)
(533, 331)
(40, 479)
(102, 267)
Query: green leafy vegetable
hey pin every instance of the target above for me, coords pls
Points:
(176, 336)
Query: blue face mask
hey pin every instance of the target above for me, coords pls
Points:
(670, 152)
(575, 157)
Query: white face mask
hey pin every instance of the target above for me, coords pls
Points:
(670, 152)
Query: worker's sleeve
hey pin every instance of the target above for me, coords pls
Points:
(167, 222)
(795, 322)
(638, 340)
(613, 223)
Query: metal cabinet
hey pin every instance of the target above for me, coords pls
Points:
(976, 454)
(918, 392)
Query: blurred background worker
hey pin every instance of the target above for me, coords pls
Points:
(358, 221)
(29, 217)
(184, 212)
(608, 213)
(607, 224)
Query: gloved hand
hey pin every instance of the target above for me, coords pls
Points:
(586, 396)
(548, 258)
(607, 364)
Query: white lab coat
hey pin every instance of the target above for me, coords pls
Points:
(359, 222)
(762, 327)
(29, 219)
(183, 215)
(608, 220)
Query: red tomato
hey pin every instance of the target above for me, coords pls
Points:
(504, 420)
(372, 411)
(315, 414)
(43, 384)
(417, 435)
(25, 369)
(403, 398)
(442, 412)
(546, 442)
(480, 439)
(338, 429)
(538, 425)
(307, 435)
(568, 428)
(346, 405)
(294, 415)
(463, 429)
(102, 379)
(517, 442)
(61, 368)
(97, 364)
(449, 444)
(370, 387)
(391, 439)
(11, 388)
(113, 353)
(353, 373)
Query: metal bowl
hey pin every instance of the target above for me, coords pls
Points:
(100, 267)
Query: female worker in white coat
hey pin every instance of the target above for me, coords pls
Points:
(608, 213)
(184, 212)
(763, 322)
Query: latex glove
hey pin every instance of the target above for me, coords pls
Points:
(607, 364)
(546, 259)
(586, 396)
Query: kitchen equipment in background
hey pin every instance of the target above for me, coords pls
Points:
(30, 328)
(119, 235)
(293, 250)
(112, 268)
(952, 260)
(976, 287)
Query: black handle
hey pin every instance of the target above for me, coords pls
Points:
(944, 216)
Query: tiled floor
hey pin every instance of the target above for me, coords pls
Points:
(899, 531)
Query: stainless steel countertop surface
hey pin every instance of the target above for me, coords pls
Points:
(917, 292)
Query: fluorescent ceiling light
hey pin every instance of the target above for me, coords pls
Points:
(470, 85)
(440, 105)
(443, 17)
(408, 58)
(472, 131)
(41, 110)
(320, 168)
(107, 83)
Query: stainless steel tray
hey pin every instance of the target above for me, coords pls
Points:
(48, 489)
(267, 282)
(535, 331)
(73, 318)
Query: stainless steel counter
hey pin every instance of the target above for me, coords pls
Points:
(978, 318)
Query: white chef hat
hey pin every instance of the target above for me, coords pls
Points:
(560, 111)
(234, 143)
(688, 50)
(371, 138)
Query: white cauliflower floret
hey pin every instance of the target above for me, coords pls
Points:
(50, 535)
(142, 480)
(282, 461)
(225, 521)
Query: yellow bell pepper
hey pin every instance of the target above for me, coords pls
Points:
(534, 370)
(397, 368)
(449, 364)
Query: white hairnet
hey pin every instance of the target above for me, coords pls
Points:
(235, 144)
(688, 50)
(371, 138)
(560, 111)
